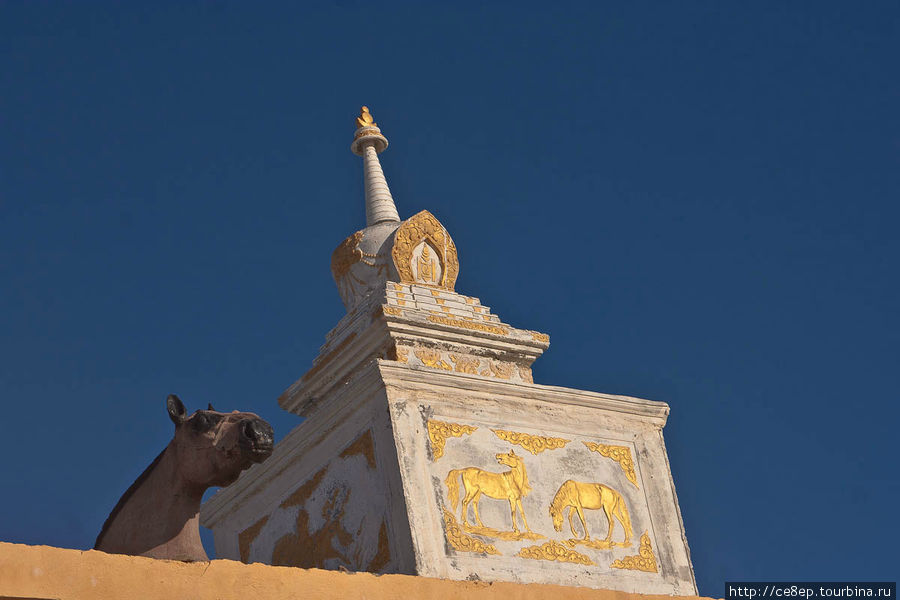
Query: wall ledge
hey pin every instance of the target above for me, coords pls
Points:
(45, 572)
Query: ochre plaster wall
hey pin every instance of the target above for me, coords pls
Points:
(47, 572)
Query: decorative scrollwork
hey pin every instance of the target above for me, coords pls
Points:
(432, 358)
(500, 370)
(525, 374)
(392, 310)
(465, 364)
(620, 454)
(402, 354)
(533, 443)
(555, 551)
(462, 542)
(439, 431)
(540, 337)
(346, 255)
(438, 318)
(643, 561)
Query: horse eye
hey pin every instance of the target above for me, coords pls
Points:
(205, 422)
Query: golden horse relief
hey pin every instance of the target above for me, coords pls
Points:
(577, 496)
(510, 485)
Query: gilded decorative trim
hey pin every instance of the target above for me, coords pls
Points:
(419, 227)
(462, 542)
(346, 255)
(525, 374)
(533, 443)
(439, 431)
(540, 337)
(438, 318)
(432, 358)
(643, 561)
(555, 551)
(499, 370)
(392, 310)
(402, 354)
(465, 364)
(620, 454)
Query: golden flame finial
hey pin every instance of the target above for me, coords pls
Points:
(365, 118)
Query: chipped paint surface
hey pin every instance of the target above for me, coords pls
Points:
(335, 519)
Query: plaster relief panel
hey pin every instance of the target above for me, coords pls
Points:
(425, 264)
(525, 495)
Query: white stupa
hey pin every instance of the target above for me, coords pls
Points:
(428, 449)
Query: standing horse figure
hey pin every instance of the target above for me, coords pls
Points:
(158, 516)
(510, 485)
(576, 496)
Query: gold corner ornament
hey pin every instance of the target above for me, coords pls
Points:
(424, 227)
(643, 561)
(462, 542)
(540, 337)
(620, 454)
(365, 118)
(533, 443)
(439, 431)
(346, 255)
(555, 551)
(432, 358)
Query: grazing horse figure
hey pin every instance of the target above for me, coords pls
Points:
(576, 496)
(158, 516)
(510, 485)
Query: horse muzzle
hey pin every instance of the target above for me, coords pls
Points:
(257, 440)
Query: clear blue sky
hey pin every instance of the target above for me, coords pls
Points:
(697, 200)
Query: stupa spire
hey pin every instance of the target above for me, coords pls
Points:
(368, 143)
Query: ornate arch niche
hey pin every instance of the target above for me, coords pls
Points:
(424, 253)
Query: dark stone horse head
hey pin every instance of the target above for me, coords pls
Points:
(158, 516)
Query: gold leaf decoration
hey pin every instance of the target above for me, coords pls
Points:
(402, 354)
(500, 370)
(438, 318)
(533, 443)
(620, 454)
(432, 358)
(365, 118)
(346, 255)
(465, 364)
(439, 431)
(392, 310)
(525, 374)
(553, 550)
(462, 542)
(419, 227)
(540, 337)
(508, 536)
(643, 561)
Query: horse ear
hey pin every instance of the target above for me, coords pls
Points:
(176, 409)
(210, 406)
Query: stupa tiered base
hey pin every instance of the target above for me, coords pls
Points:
(427, 450)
